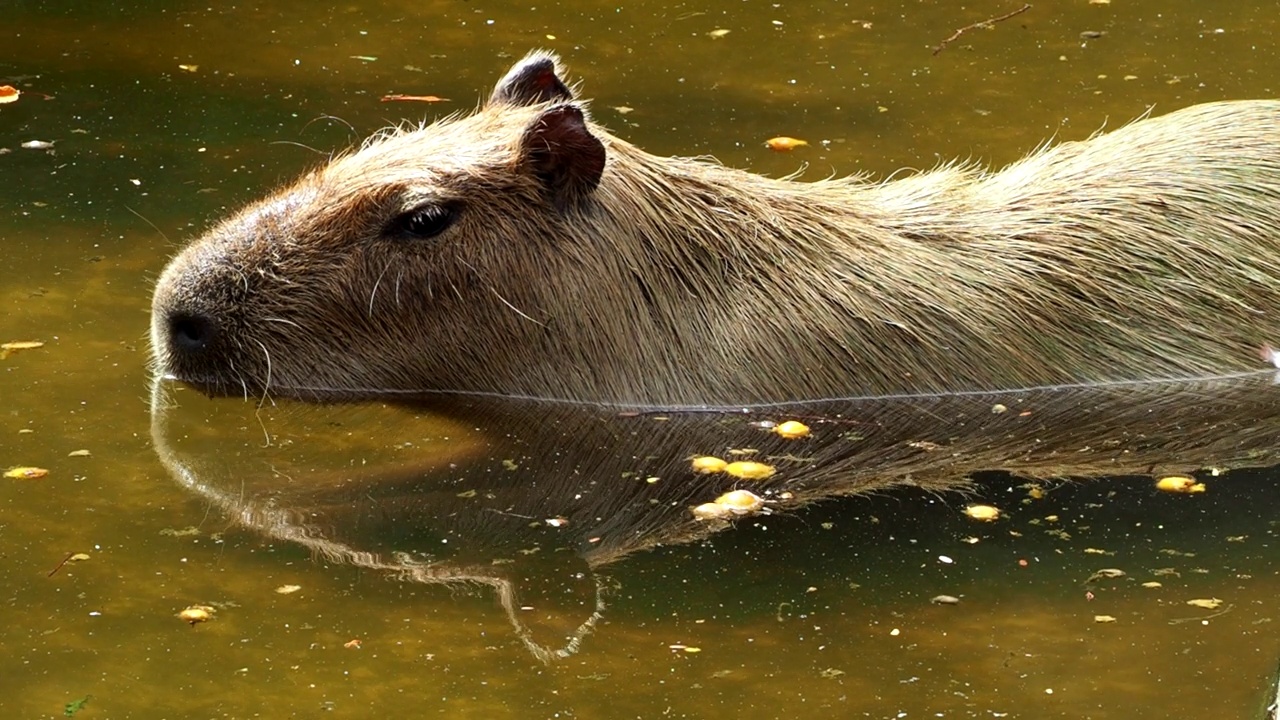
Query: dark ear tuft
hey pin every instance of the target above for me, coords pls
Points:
(560, 150)
(533, 80)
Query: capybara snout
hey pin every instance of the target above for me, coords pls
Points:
(524, 250)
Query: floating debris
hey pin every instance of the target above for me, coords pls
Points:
(791, 429)
(75, 706)
(197, 614)
(397, 97)
(708, 465)
(1205, 603)
(1104, 618)
(288, 589)
(945, 600)
(711, 511)
(1179, 484)
(749, 470)
(1105, 574)
(740, 502)
(984, 513)
(783, 143)
(9, 348)
(25, 473)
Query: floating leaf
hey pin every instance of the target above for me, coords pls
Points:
(197, 614)
(288, 589)
(8, 94)
(783, 143)
(397, 97)
(1106, 574)
(717, 33)
(1205, 603)
(740, 502)
(25, 473)
(75, 706)
(985, 513)
(708, 465)
(791, 429)
(78, 453)
(1104, 618)
(9, 348)
(711, 511)
(749, 470)
(1179, 484)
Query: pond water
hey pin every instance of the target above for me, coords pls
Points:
(430, 582)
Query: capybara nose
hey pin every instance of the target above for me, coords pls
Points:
(190, 333)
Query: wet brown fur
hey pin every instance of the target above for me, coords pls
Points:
(1147, 252)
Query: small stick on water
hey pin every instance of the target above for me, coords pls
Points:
(59, 566)
(985, 24)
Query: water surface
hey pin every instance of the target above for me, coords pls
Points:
(164, 116)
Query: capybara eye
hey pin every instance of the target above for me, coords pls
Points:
(422, 223)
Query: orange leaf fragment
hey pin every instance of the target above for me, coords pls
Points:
(8, 94)
(784, 143)
(396, 97)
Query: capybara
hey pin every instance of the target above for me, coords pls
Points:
(523, 250)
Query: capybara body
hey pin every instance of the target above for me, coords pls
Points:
(523, 250)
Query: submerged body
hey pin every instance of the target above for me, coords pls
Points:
(523, 250)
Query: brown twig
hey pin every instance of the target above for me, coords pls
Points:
(986, 24)
(65, 560)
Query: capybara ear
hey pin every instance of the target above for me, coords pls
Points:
(533, 80)
(561, 151)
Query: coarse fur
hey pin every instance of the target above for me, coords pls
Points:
(574, 265)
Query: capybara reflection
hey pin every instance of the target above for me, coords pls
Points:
(524, 250)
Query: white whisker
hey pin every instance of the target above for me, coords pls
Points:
(266, 389)
(282, 321)
(376, 283)
(516, 309)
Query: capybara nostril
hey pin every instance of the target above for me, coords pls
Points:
(191, 332)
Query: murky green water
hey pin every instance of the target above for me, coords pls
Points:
(821, 611)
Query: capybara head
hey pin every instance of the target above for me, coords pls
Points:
(523, 250)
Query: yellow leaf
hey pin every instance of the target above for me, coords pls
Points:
(783, 143)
